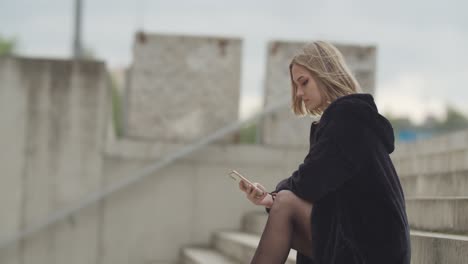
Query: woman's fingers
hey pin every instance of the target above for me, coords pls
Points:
(255, 193)
(260, 187)
(258, 190)
(249, 190)
(263, 191)
(245, 186)
(252, 189)
(241, 186)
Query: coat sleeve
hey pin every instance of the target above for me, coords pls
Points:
(339, 153)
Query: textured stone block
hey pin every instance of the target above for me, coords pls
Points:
(182, 88)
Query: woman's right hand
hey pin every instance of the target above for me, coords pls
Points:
(252, 193)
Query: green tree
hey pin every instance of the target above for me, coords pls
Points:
(248, 134)
(88, 53)
(116, 106)
(454, 120)
(7, 46)
(399, 123)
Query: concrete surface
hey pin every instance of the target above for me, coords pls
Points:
(182, 87)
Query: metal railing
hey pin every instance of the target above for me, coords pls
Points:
(137, 176)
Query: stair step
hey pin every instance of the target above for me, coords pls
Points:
(199, 255)
(436, 184)
(427, 247)
(254, 222)
(241, 246)
(438, 214)
(436, 248)
(435, 214)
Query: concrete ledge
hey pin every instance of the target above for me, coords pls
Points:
(241, 246)
(449, 142)
(427, 247)
(446, 215)
(213, 153)
(198, 255)
(425, 164)
(437, 184)
(436, 248)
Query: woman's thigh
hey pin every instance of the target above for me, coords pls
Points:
(302, 235)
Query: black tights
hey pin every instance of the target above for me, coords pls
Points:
(288, 226)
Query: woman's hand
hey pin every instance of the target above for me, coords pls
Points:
(256, 194)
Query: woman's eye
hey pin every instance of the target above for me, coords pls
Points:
(304, 83)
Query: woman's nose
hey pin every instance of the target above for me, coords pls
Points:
(299, 92)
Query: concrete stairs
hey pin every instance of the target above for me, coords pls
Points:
(198, 255)
(434, 176)
(439, 235)
(436, 241)
(439, 214)
(438, 248)
(439, 229)
(436, 184)
(232, 246)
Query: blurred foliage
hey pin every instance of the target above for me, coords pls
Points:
(117, 115)
(7, 46)
(453, 121)
(248, 134)
(88, 53)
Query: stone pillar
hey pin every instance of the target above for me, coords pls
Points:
(182, 88)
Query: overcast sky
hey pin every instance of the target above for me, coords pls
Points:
(422, 45)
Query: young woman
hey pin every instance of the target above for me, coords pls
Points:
(344, 203)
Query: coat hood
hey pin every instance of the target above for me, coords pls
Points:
(367, 110)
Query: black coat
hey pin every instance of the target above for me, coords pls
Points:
(359, 212)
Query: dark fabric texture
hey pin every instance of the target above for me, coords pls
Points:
(359, 212)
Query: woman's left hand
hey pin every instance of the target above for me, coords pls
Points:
(258, 195)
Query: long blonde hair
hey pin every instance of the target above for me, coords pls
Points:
(329, 69)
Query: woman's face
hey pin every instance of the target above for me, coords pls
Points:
(307, 88)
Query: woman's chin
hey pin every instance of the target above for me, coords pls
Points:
(310, 105)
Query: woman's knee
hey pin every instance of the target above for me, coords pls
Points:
(283, 204)
(285, 196)
(284, 199)
(287, 200)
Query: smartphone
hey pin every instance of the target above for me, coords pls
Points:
(238, 177)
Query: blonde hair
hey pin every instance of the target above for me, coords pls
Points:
(328, 68)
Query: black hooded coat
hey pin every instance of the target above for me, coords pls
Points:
(359, 212)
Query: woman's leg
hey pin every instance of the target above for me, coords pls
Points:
(288, 226)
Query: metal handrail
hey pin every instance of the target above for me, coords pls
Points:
(135, 177)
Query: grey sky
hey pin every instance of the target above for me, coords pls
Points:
(422, 56)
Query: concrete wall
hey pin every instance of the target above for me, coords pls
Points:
(188, 201)
(184, 203)
(51, 118)
(285, 129)
(182, 87)
(54, 117)
(13, 101)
